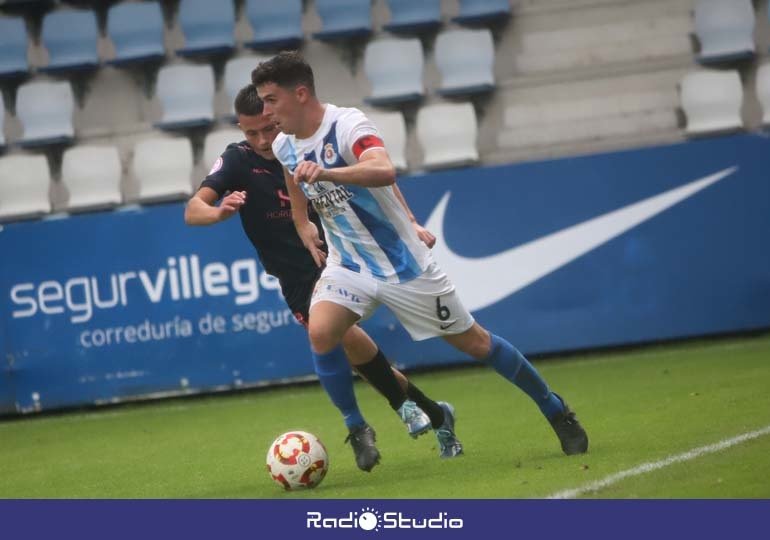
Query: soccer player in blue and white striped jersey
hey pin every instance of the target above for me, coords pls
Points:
(335, 158)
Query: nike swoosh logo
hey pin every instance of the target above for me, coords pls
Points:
(484, 281)
(445, 326)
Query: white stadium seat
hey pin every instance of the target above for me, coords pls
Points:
(215, 145)
(92, 177)
(763, 91)
(394, 69)
(392, 127)
(2, 123)
(238, 74)
(447, 133)
(465, 59)
(186, 95)
(712, 100)
(45, 111)
(24, 184)
(162, 167)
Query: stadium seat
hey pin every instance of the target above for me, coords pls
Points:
(408, 16)
(45, 111)
(26, 4)
(186, 94)
(276, 25)
(465, 59)
(238, 74)
(2, 124)
(447, 133)
(13, 47)
(475, 12)
(392, 127)
(342, 19)
(92, 177)
(162, 167)
(394, 69)
(216, 142)
(70, 37)
(725, 29)
(24, 184)
(208, 27)
(763, 91)
(711, 100)
(136, 30)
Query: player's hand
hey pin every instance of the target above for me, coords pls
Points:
(424, 234)
(308, 233)
(308, 172)
(231, 204)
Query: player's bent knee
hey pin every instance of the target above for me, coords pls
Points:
(474, 342)
(321, 340)
(478, 349)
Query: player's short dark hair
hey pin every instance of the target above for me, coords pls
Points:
(247, 102)
(286, 69)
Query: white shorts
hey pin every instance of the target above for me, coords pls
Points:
(426, 306)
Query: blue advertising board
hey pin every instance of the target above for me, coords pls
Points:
(612, 249)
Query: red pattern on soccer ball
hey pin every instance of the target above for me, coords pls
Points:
(307, 477)
(292, 459)
(282, 480)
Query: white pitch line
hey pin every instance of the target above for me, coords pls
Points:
(655, 465)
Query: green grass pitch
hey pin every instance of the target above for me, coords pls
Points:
(638, 406)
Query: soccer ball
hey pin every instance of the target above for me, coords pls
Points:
(297, 460)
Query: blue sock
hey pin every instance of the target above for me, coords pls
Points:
(512, 365)
(334, 373)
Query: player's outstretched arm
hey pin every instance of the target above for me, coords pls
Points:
(374, 169)
(423, 234)
(201, 209)
(306, 229)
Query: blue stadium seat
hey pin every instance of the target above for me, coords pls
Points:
(465, 59)
(344, 19)
(26, 5)
(70, 36)
(45, 111)
(22, 3)
(394, 69)
(474, 12)
(411, 17)
(186, 95)
(13, 47)
(277, 25)
(136, 30)
(208, 27)
(725, 29)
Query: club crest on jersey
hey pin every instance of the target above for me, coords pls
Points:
(217, 165)
(330, 155)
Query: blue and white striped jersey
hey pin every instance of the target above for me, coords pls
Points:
(367, 229)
